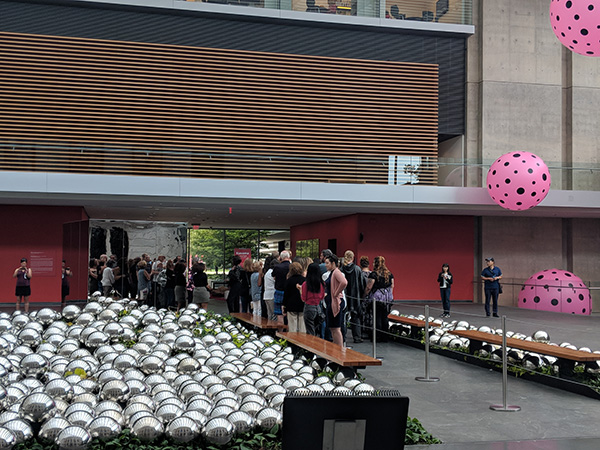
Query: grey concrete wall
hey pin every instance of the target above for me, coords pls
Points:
(526, 92)
(522, 246)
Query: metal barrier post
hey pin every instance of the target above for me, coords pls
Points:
(374, 331)
(504, 406)
(427, 378)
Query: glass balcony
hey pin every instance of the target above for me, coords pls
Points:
(442, 11)
(580, 176)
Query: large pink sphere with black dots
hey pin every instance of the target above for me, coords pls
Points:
(576, 24)
(518, 181)
(556, 290)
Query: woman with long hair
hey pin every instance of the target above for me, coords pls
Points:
(201, 293)
(380, 286)
(256, 288)
(234, 283)
(334, 298)
(293, 306)
(445, 281)
(313, 292)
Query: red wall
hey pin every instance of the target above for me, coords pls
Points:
(414, 247)
(41, 229)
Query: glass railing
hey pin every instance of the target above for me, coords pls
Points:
(579, 176)
(442, 11)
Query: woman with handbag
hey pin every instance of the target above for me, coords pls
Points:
(380, 287)
(313, 292)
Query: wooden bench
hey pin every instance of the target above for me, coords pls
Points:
(257, 322)
(566, 357)
(415, 324)
(344, 357)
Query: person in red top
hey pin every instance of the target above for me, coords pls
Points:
(23, 291)
(313, 291)
(334, 298)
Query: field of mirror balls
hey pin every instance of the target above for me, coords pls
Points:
(90, 373)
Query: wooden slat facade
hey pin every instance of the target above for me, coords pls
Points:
(97, 106)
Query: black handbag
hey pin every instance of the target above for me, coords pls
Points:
(499, 288)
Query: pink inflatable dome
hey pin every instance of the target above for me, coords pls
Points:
(557, 291)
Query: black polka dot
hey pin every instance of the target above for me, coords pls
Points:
(569, 4)
(524, 300)
(569, 300)
(584, 32)
(533, 194)
(506, 164)
(544, 177)
(540, 277)
(581, 297)
(554, 302)
(520, 191)
(507, 181)
(571, 285)
(591, 7)
(557, 18)
(517, 155)
(505, 194)
(502, 201)
(575, 42)
(589, 53)
(493, 172)
(583, 310)
(567, 274)
(546, 286)
(516, 171)
(576, 17)
(562, 34)
(530, 170)
(519, 203)
(536, 299)
(489, 186)
(497, 185)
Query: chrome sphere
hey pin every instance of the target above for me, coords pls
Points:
(80, 418)
(30, 337)
(147, 428)
(267, 418)
(37, 407)
(104, 428)
(197, 417)
(219, 430)
(71, 312)
(363, 389)
(73, 438)
(20, 428)
(183, 429)
(115, 390)
(151, 364)
(168, 412)
(33, 365)
(541, 336)
(52, 428)
(242, 421)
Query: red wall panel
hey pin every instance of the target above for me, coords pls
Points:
(39, 230)
(414, 247)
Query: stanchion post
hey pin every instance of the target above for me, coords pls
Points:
(374, 330)
(504, 406)
(427, 378)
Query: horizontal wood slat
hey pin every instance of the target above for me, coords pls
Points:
(87, 105)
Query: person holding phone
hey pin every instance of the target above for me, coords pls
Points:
(491, 275)
(445, 281)
(23, 291)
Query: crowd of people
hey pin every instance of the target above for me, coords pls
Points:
(319, 297)
(160, 282)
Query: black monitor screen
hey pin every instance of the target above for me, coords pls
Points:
(328, 422)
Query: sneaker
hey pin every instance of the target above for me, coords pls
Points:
(495, 315)
(443, 315)
(488, 314)
(447, 315)
(357, 340)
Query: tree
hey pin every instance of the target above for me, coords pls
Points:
(208, 245)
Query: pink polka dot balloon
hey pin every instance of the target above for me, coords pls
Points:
(576, 24)
(556, 290)
(518, 181)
